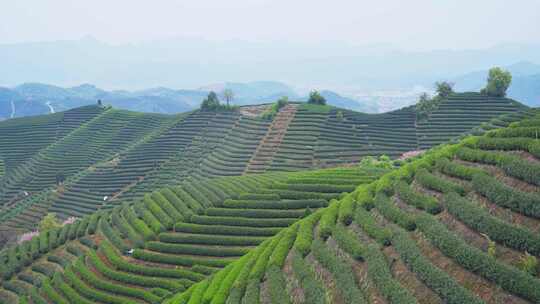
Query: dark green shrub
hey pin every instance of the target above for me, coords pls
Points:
(313, 289)
(305, 233)
(506, 196)
(138, 224)
(348, 242)
(167, 207)
(165, 219)
(508, 144)
(224, 289)
(182, 207)
(456, 170)
(53, 238)
(44, 242)
(471, 258)
(149, 219)
(365, 220)
(51, 293)
(433, 182)
(127, 231)
(530, 132)
(119, 263)
(283, 246)
(212, 239)
(253, 291)
(83, 226)
(277, 286)
(93, 222)
(242, 221)
(178, 260)
(226, 230)
(418, 200)
(498, 230)
(77, 287)
(111, 235)
(340, 270)
(129, 278)
(439, 281)
(221, 251)
(510, 164)
(105, 285)
(392, 212)
(259, 268)
(534, 148)
(380, 274)
(346, 209)
(328, 220)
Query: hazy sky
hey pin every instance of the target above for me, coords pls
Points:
(412, 24)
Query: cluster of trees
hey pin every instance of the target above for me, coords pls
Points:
(427, 104)
(498, 83)
(316, 98)
(49, 222)
(212, 102)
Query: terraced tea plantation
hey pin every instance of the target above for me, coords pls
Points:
(2, 168)
(150, 249)
(460, 113)
(92, 158)
(160, 209)
(460, 224)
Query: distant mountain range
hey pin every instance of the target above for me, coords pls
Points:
(36, 98)
(365, 77)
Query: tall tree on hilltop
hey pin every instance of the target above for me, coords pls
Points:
(228, 95)
(316, 98)
(498, 82)
(211, 102)
(444, 88)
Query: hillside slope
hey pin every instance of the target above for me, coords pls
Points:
(115, 156)
(149, 249)
(458, 225)
(451, 226)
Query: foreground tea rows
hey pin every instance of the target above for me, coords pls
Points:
(172, 238)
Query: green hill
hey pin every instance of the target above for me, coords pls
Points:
(76, 162)
(179, 235)
(185, 224)
(458, 225)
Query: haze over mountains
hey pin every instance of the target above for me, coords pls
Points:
(191, 63)
(36, 98)
(371, 78)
